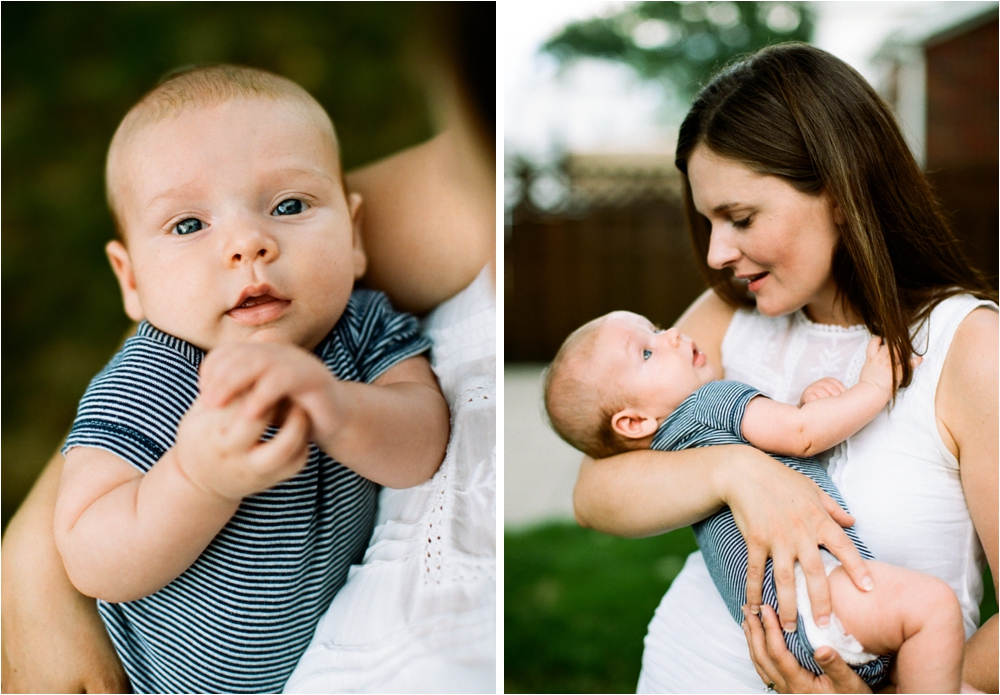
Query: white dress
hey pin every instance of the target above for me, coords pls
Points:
(419, 613)
(899, 481)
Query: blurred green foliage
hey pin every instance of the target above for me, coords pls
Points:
(70, 72)
(682, 43)
(577, 603)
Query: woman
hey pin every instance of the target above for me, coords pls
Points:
(803, 199)
(430, 237)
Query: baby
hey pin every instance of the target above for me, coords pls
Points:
(214, 541)
(619, 383)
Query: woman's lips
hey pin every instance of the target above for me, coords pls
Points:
(257, 310)
(755, 281)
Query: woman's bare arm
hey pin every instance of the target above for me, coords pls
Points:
(966, 406)
(429, 225)
(53, 638)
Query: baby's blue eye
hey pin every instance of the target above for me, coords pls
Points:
(188, 226)
(646, 354)
(292, 206)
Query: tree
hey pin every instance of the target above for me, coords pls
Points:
(682, 44)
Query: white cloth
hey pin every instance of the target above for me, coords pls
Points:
(419, 613)
(897, 477)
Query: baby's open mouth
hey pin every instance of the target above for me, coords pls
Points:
(261, 306)
(255, 301)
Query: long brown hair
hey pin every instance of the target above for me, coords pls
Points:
(797, 112)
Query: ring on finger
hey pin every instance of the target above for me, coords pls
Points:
(770, 688)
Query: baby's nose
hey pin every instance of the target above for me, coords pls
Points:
(249, 245)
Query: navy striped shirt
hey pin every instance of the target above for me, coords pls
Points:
(240, 617)
(713, 416)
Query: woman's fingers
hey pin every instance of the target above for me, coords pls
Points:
(757, 644)
(844, 680)
(838, 513)
(783, 569)
(837, 542)
(756, 566)
(817, 585)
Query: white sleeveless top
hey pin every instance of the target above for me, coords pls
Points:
(419, 614)
(899, 481)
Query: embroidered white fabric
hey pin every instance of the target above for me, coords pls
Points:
(899, 480)
(419, 614)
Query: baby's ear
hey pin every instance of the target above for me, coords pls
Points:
(355, 208)
(121, 263)
(633, 424)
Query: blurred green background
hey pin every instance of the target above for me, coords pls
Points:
(577, 603)
(70, 72)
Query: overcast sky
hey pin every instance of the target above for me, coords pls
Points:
(601, 106)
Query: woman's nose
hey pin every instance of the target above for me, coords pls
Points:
(250, 244)
(721, 250)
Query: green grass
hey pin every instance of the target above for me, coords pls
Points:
(577, 604)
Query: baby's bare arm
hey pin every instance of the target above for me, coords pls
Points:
(908, 612)
(392, 431)
(824, 422)
(123, 535)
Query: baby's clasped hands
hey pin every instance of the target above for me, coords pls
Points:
(261, 375)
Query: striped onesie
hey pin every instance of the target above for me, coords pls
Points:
(712, 416)
(239, 618)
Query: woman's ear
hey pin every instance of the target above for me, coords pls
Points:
(632, 424)
(121, 263)
(838, 214)
(355, 208)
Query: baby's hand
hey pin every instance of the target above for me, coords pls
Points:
(262, 375)
(878, 367)
(824, 388)
(219, 448)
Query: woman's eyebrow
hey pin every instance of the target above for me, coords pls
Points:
(727, 206)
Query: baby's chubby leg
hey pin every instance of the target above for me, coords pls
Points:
(908, 612)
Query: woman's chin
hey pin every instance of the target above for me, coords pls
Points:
(768, 307)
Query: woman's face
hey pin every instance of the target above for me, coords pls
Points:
(779, 240)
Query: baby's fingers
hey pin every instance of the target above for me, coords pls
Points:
(228, 371)
(286, 453)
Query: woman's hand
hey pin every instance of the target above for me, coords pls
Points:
(780, 670)
(784, 515)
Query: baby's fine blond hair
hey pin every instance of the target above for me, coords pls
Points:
(201, 87)
(577, 398)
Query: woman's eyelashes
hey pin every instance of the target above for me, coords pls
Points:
(743, 223)
(188, 226)
(291, 206)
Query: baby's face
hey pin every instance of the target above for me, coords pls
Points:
(236, 224)
(652, 369)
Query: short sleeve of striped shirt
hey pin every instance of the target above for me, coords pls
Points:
(376, 336)
(720, 405)
(133, 406)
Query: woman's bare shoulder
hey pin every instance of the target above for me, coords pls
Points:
(706, 321)
(426, 234)
(967, 389)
